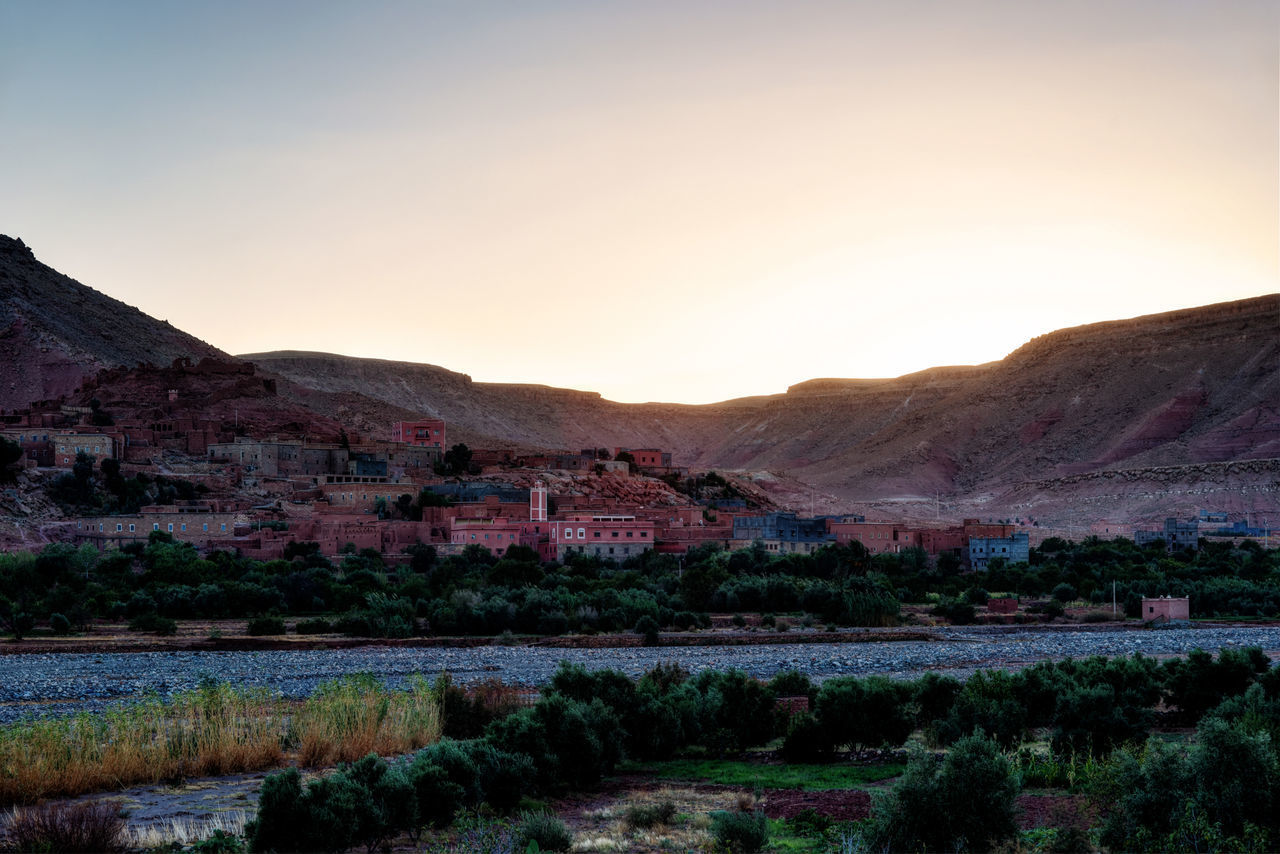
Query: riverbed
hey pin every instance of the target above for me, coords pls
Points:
(54, 684)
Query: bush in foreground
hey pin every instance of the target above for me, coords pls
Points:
(966, 800)
(740, 831)
(545, 829)
(77, 827)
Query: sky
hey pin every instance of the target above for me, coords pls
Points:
(683, 201)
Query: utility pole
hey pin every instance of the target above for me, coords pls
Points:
(1113, 598)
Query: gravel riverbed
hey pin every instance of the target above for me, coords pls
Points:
(42, 685)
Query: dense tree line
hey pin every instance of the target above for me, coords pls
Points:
(477, 593)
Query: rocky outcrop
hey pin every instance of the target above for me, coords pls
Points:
(55, 332)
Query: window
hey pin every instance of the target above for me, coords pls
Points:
(131, 528)
(224, 526)
(206, 526)
(170, 527)
(644, 533)
(596, 534)
(118, 526)
(568, 533)
(582, 533)
(155, 526)
(614, 534)
(630, 534)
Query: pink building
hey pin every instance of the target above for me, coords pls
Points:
(646, 457)
(495, 534)
(427, 433)
(614, 537)
(1166, 609)
(878, 537)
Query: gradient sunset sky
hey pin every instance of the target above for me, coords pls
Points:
(684, 201)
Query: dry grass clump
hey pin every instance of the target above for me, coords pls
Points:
(349, 718)
(185, 830)
(213, 730)
(670, 819)
(80, 827)
(643, 816)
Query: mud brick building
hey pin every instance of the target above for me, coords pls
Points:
(425, 433)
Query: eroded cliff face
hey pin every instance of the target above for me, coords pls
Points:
(55, 332)
(1184, 387)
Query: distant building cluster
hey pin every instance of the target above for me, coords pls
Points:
(388, 495)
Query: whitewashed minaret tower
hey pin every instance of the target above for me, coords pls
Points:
(538, 502)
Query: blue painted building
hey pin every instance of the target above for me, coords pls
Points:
(1015, 548)
(782, 532)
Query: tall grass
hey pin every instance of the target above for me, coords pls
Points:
(348, 718)
(216, 729)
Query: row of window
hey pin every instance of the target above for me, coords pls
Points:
(155, 526)
(582, 534)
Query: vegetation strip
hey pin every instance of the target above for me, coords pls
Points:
(216, 729)
(756, 775)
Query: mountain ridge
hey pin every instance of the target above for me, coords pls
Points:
(1173, 390)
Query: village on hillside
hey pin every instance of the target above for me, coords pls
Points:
(256, 495)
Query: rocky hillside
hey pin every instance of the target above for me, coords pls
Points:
(1186, 387)
(55, 332)
(1129, 416)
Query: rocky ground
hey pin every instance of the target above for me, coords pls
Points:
(44, 684)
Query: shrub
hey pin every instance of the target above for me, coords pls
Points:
(740, 831)
(482, 773)
(793, 683)
(164, 626)
(965, 801)
(781, 626)
(807, 740)
(739, 620)
(865, 713)
(955, 611)
(317, 626)
(438, 796)
(220, 842)
(684, 620)
(1051, 608)
(74, 827)
(466, 714)
(59, 624)
(648, 627)
(809, 822)
(367, 802)
(265, 625)
(571, 744)
(643, 816)
(545, 829)
(1064, 593)
(1218, 795)
(1093, 719)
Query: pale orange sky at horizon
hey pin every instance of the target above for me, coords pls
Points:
(686, 202)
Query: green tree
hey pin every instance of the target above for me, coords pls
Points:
(457, 460)
(966, 801)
